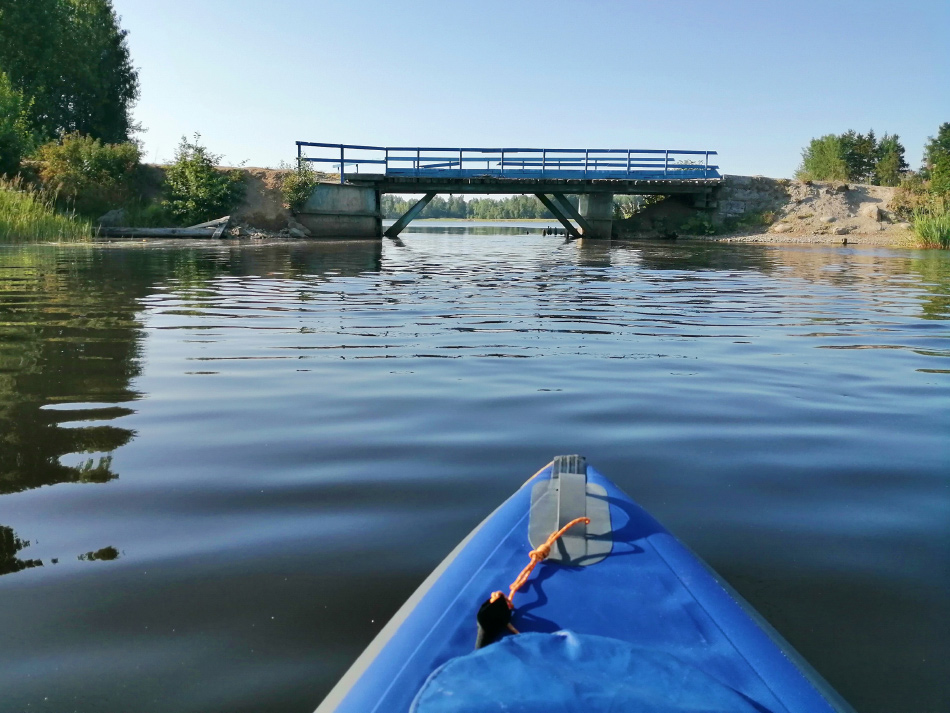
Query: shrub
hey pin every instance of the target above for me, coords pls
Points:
(197, 191)
(92, 176)
(298, 186)
(628, 206)
(29, 215)
(909, 196)
(699, 224)
(140, 214)
(751, 221)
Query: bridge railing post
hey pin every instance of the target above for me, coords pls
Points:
(342, 162)
(706, 166)
(544, 160)
(586, 160)
(666, 163)
(628, 162)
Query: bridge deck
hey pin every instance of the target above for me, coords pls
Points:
(488, 184)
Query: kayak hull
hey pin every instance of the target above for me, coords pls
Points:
(649, 590)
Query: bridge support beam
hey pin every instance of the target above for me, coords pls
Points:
(598, 209)
(559, 214)
(571, 212)
(393, 230)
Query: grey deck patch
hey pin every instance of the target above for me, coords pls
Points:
(565, 497)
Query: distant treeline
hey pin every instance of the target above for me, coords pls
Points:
(513, 207)
(510, 208)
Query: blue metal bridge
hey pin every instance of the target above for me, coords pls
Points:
(595, 175)
(516, 163)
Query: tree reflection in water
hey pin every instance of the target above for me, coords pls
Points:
(71, 344)
(66, 337)
(10, 545)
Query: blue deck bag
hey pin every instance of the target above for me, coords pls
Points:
(573, 673)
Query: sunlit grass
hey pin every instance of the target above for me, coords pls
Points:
(30, 216)
(932, 224)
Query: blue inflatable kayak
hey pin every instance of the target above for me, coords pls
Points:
(619, 615)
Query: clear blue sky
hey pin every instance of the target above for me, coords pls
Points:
(754, 80)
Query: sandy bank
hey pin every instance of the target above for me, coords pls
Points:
(769, 210)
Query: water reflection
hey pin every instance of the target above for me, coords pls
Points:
(10, 545)
(692, 256)
(262, 418)
(105, 554)
(71, 346)
(862, 269)
(68, 336)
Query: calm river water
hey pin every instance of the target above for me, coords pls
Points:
(223, 467)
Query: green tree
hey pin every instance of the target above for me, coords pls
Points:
(824, 160)
(16, 138)
(70, 60)
(937, 160)
(852, 156)
(195, 189)
(891, 165)
(860, 155)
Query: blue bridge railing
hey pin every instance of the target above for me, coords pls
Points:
(643, 164)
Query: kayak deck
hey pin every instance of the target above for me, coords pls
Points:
(649, 590)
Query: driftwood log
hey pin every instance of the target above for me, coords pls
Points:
(212, 229)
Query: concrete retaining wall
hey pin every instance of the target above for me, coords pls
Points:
(338, 211)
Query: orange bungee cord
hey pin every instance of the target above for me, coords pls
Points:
(492, 618)
(537, 556)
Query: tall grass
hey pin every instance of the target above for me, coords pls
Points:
(933, 226)
(28, 215)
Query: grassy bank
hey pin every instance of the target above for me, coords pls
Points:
(29, 215)
(933, 227)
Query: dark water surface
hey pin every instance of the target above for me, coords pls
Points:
(223, 467)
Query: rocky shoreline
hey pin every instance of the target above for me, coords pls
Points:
(755, 209)
(904, 239)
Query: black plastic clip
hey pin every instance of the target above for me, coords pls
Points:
(494, 618)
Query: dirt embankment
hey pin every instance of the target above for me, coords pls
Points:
(758, 209)
(262, 210)
(263, 204)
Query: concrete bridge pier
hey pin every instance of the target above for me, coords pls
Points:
(597, 210)
(339, 211)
